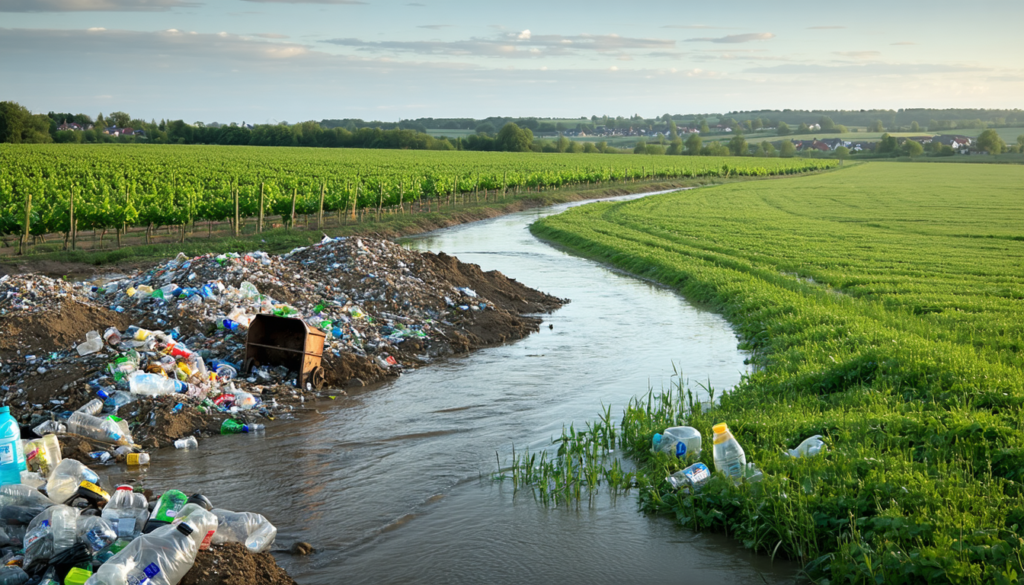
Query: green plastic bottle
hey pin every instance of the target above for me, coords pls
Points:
(166, 510)
(233, 427)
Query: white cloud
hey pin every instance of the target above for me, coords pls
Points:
(92, 5)
(512, 45)
(745, 38)
(269, 35)
(524, 36)
(858, 54)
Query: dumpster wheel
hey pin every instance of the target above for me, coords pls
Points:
(316, 377)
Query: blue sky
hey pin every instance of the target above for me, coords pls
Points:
(273, 60)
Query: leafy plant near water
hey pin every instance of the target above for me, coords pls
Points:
(885, 307)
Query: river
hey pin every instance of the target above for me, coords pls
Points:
(393, 484)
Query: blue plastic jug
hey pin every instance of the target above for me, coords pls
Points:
(12, 457)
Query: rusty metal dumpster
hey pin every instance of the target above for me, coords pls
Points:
(282, 341)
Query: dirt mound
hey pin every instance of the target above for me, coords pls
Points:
(504, 292)
(233, 564)
(55, 330)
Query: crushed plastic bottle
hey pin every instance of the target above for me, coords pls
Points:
(43, 455)
(50, 426)
(159, 558)
(152, 385)
(729, 456)
(252, 530)
(96, 532)
(693, 477)
(66, 478)
(127, 512)
(203, 520)
(187, 443)
(100, 429)
(49, 533)
(680, 442)
(93, 407)
(810, 447)
(232, 427)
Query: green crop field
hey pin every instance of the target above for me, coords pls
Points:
(118, 186)
(884, 307)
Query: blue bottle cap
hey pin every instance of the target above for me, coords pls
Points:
(656, 440)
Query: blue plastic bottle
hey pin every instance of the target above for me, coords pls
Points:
(12, 457)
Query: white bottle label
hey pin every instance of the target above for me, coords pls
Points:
(7, 453)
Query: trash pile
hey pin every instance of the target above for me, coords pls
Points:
(60, 525)
(145, 359)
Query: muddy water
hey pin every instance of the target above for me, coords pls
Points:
(392, 485)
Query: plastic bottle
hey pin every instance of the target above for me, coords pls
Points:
(93, 343)
(160, 558)
(93, 407)
(12, 455)
(137, 459)
(692, 477)
(233, 427)
(49, 533)
(729, 456)
(204, 521)
(681, 442)
(151, 385)
(11, 575)
(252, 530)
(101, 429)
(65, 479)
(244, 400)
(96, 532)
(166, 510)
(43, 455)
(119, 399)
(810, 447)
(127, 511)
(186, 443)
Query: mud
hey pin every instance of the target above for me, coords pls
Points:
(233, 564)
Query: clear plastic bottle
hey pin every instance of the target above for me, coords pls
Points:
(693, 477)
(93, 343)
(96, 532)
(49, 533)
(729, 456)
(12, 454)
(65, 479)
(101, 429)
(151, 385)
(159, 558)
(680, 442)
(93, 407)
(204, 521)
(252, 530)
(119, 399)
(187, 443)
(43, 455)
(127, 511)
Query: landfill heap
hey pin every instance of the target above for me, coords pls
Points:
(71, 530)
(144, 359)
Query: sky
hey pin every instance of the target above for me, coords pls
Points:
(267, 61)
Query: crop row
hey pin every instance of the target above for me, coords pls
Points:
(123, 185)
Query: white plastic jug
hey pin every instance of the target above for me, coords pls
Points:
(681, 442)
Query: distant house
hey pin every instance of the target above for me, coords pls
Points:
(70, 126)
(861, 146)
(833, 143)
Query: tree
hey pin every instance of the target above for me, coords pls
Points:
(738, 146)
(990, 142)
(640, 148)
(485, 128)
(18, 125)
(913, 148)
(843, 153)
(673, 130)
(826, 123)
(563, 143)
(512, 138)
(786, 149)
(887, 144)
(675, 147)
(875, 126)
(915, 127)
(119, 119)
(767, 148)
(783, 129)
(693, 144)
(803, 129)
(704, 127)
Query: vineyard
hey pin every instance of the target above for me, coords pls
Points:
(65, 188)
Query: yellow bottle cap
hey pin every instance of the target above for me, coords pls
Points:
(720, 428)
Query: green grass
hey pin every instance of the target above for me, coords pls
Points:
(884, 306)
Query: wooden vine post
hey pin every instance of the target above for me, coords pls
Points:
(355, 197)
(237, 226)
(259, 224)
(71, 219)
(504, 184)
(320, 214)
(291, 218)
(401, 197)
(380, 198)
(23, 246)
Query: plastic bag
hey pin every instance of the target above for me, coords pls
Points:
(810, 447)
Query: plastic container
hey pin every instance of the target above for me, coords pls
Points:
(77, 576)
(729, 456)
(127, 512)
(96, 532)
(65, 479)
(692, 477)
(43, 455)
(93, 407)
(137, 459)
(12, 454)
(204, 521)
(49, 533)
(93, 343)
(160, 558)
(682, 442)
(166, 510)
(186, 443)
(252, 530)
(112, 336)
(101, 429)
(13, 576)
(151, 385)
(810, 447)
